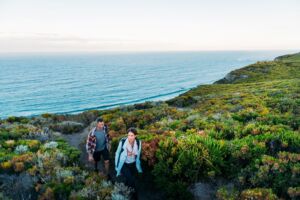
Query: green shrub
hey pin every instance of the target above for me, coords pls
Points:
(276, 173)
(13, 119)
(224, 193)
(245, 115)
(258, 194)
(67, 127)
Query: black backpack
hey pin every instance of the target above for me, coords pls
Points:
(123, 141)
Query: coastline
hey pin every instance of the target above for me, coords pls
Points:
(156, 98)
(73, 101)
(190, 142)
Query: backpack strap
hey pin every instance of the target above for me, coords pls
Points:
(122, 142)
(138, 143)
(106, 129)
(106, 134)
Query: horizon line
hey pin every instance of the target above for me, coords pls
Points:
(145, 51)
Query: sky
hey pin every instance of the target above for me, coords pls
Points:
(148, 25)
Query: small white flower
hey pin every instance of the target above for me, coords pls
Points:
(63, 173)
(21, 149)
(50, 145)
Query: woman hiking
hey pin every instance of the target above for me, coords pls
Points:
(127, 158)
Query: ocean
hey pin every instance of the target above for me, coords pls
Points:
(36, 83)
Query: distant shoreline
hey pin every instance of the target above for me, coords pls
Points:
(56, 53)
(132, 102)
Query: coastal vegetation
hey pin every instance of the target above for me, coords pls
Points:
(242, 131)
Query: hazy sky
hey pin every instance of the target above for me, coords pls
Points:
(152, 25)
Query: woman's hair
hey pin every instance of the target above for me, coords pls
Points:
(133, 130)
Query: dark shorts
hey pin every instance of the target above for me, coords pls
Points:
(104, 153)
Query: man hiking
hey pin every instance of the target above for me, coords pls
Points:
(98, 145)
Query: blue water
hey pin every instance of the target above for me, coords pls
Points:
(31, 84)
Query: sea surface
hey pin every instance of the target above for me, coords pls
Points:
(36, 83)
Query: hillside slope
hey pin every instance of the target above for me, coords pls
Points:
(243, 130)
(283, 67)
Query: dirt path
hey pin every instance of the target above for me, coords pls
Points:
(77, 140)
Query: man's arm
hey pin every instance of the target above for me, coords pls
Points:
(90, 155)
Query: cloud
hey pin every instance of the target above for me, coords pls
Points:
(16, 42)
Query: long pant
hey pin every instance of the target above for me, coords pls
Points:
(129, 171)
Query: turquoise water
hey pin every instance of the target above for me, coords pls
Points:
(31, 84)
